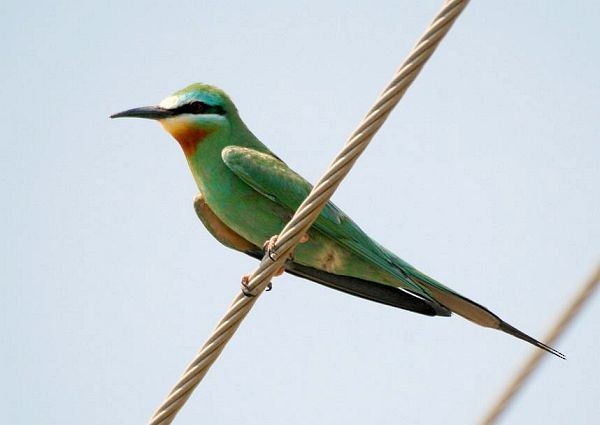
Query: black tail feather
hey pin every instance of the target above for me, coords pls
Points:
(505, 327)
(369, 290)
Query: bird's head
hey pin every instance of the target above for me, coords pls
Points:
(190, 114)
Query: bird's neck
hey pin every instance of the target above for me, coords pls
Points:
(188, 136)
(203, 152)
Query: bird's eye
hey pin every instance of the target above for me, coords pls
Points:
(196, 108)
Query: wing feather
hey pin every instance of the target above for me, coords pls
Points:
(275, 180)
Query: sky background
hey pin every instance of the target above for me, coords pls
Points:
(486, 176)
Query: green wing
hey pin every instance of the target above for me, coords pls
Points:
(275, 180)
(272, 178)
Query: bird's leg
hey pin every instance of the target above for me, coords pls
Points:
(246, 291)
(269, 249)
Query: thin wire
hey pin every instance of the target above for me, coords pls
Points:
(534, 360)
(309, 211)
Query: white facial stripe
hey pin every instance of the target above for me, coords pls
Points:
(169, 102)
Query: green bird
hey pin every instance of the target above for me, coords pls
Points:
(247, 195)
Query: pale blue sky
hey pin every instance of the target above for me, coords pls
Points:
(486, 176)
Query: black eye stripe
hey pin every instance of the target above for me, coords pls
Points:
(198, 107)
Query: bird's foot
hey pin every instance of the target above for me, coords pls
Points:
(246, 291)
(269, 248)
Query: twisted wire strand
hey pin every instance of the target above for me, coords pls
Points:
(309, 210)
(533, 361)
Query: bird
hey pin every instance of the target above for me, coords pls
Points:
(247, 194)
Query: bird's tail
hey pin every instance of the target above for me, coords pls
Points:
(473, 311)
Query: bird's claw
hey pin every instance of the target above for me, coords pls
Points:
(246, 291)
(269, 247)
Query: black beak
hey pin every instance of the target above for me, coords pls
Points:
(149, 112)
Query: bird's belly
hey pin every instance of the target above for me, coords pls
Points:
(323, 253)
(248, 213)
(256, 218)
